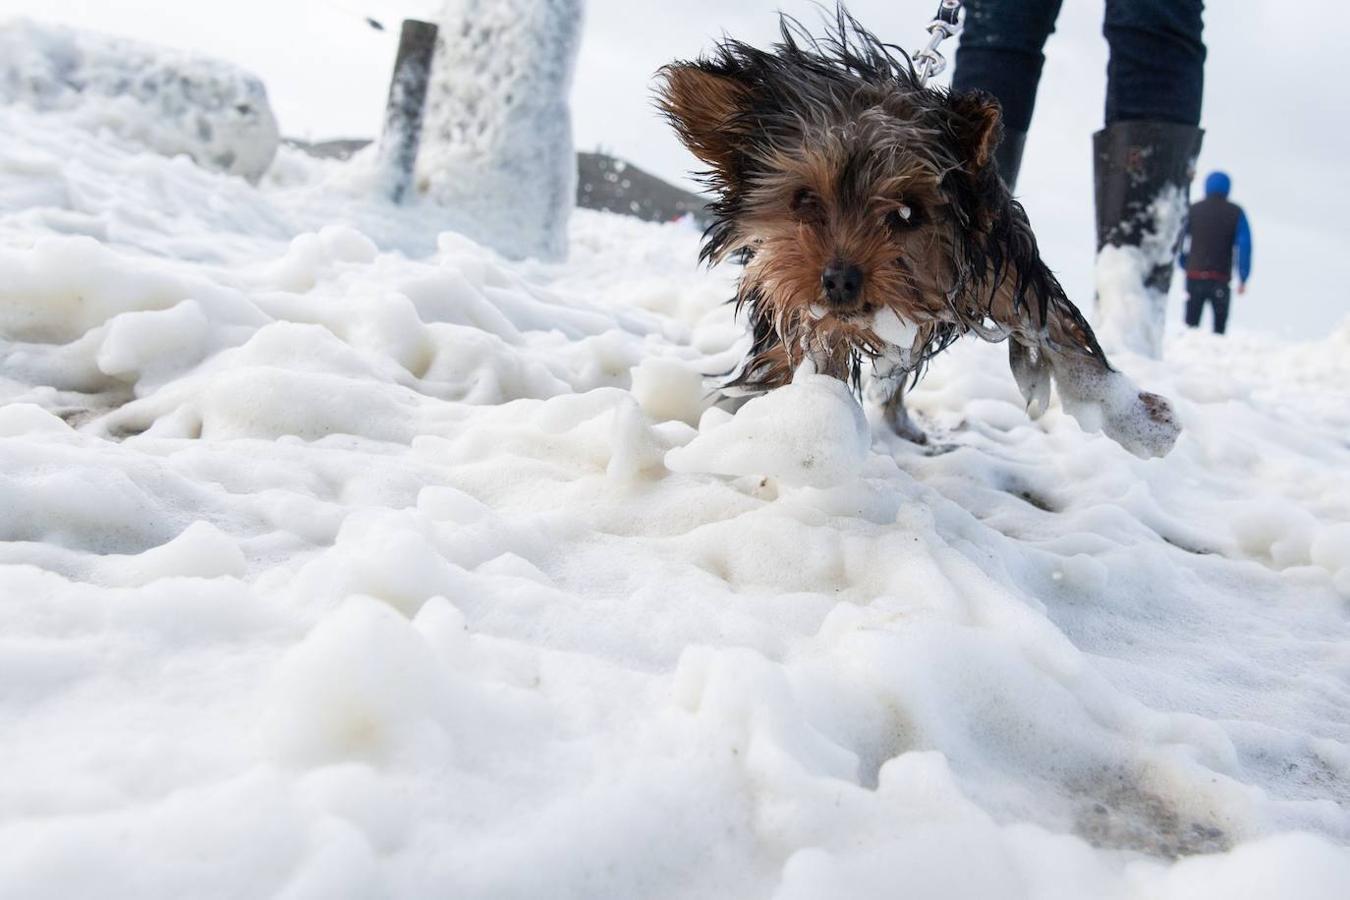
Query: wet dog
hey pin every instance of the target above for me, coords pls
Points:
(875, 229)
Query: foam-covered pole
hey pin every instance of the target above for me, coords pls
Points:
(407, 102)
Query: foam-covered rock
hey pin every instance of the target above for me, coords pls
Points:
(169, 101)
(497, 143)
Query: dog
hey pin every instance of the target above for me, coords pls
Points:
(875, 230)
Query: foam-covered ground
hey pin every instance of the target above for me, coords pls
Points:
(340, 559)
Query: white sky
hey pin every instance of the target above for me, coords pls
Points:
(1277, 123)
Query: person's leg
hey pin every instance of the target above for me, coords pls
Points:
(1001, 52)
(1157, 67)
(1195, 303)
(1221, 298)
(1145, 160)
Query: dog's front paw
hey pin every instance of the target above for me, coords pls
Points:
(1147, 427)
(1159, 410)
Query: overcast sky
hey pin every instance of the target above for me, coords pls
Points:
(1276, 107)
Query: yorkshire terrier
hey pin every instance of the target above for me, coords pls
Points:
(875, 229)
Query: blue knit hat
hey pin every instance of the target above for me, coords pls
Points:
(1218, 183)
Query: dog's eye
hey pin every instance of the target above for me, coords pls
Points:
(805, 204)
(904, 217)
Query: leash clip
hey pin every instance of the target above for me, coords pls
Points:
(929, 62)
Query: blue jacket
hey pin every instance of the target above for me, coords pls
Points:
(1215, 229)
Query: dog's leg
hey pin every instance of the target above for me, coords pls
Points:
(1062, 345)
(820, 359)
(1103, 399)
(897, 416)
(1098, 396)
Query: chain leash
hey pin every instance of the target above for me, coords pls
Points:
(929, 62)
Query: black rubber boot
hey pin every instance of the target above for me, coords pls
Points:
(1143, 178)
(1008, 157)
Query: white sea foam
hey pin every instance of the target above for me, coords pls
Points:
(339, 559)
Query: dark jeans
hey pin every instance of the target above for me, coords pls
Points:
(1202, 291)
(1156, 72)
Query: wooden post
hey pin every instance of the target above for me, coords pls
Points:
(407, 99)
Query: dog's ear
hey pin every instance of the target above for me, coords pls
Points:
(704, 106)
(978, 124)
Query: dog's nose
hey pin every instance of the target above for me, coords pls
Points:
(842, 282)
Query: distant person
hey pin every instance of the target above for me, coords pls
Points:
(1217, 226)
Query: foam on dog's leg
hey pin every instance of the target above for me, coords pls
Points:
(895, 331)
(1109, 402)
(1031, 369)
(897, 356)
